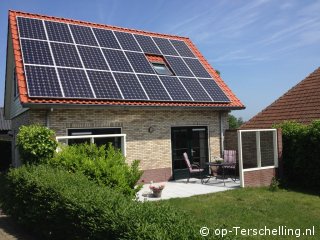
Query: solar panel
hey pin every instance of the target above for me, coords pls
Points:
(165, 46)
(31, 28)
(58, 32)
(42, 82)
(36, 52)
(197, 68)
(178, 66)
(75, 83)
(214, 90)
(106, 38)
(139, 62)
(92, 58)
(83, 35)
(104, 85)
(147, 44)
(175, 88)
(130, 87)
(153, 87)
(127, 41)
(182, 48)
(195, 89)
(117, 60)
(66, 55)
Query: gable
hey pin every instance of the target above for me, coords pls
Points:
(66, 61)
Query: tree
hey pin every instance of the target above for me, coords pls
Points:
(234, 122)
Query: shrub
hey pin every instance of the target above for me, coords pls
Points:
(61, 205)
(107, 167)
(301, 154)
(36, 143)
(274, 185)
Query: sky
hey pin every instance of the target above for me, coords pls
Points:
(262, 48)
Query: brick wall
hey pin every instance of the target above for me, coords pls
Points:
(258, 178)
(153, 149)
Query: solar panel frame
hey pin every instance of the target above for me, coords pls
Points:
(75, 83)
(197, 68)
(42, 82)
(182, 48)
(92, 58)
(175, 88)
(117, 60)
(195, 89)
(106, 38)
(58, 32)
(147, 44)
(66, 55)
(83, 35)
(36, 52)
(127, 41)
(215, 92)
(154, 87)
(130, 86)
(178, 66)
(27, 31)
(106, 89)
(165, 46)
(139, 62)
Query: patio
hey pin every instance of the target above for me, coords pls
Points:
(182, 189)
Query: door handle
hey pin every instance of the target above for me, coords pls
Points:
(192, 151)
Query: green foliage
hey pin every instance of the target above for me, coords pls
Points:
(107, 167)
(234, 122)
(36, 143)
(61, 205)
(301, 154)
(274, 185)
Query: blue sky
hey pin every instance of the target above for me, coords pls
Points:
(262, 48)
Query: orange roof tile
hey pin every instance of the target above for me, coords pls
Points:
(301, 103)
(22, 86)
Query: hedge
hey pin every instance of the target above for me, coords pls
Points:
(301, 154)
(61, 205)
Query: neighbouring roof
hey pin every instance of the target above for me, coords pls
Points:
(301, 103)
(28, 99)
(5, 125)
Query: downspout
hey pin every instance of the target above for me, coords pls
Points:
(221, 133)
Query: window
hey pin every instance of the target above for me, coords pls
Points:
(115, 141)
(161, 68)
(15, 83)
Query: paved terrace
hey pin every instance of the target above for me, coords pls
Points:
(182, 189)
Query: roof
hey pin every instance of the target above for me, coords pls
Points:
(26, 100)
(301, 103)
(5, 125)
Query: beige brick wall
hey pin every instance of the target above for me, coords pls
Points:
(153, 149)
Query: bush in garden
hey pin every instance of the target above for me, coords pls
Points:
(61, 205)
(106, 166)
(301, 154)
(36, 143)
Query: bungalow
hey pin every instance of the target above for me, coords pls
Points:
(152, 95)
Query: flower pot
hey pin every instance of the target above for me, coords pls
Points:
(157, 193)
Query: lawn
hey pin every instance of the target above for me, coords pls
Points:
(255, 208)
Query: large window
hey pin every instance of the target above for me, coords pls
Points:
(99, 136)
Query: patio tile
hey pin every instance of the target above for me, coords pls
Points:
(181, 189)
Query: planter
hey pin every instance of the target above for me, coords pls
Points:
(157, 193)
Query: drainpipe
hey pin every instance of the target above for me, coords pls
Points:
(221, 133)
(48, 117)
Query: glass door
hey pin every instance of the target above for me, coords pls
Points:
(193, 141)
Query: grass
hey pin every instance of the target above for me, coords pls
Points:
(255, 208)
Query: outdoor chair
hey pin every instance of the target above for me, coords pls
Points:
(194, 169)
(230, 157)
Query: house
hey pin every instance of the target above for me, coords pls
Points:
(301, 104)
(5, 142)
(152, 95)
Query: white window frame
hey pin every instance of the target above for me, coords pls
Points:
(92, 137)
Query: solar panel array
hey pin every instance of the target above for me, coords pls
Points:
(64, 60)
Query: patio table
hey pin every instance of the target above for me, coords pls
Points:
(222, 165)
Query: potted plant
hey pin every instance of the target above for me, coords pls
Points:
(156, 189)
